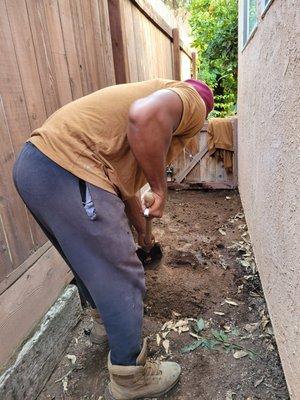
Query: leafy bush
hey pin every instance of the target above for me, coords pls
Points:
(214, 25)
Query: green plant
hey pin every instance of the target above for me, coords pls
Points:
(214, 25)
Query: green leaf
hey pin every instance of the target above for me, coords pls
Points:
(200, 325)
(191, 347)
(220, 335)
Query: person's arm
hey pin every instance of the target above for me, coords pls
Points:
(152, 121)
(133, 209)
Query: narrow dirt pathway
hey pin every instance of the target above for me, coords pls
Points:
(204, 308)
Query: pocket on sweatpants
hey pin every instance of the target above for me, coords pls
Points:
(87, 200)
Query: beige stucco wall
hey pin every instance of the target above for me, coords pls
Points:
(269, 168)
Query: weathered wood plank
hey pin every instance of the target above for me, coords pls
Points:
(24, 303)
(70, 47)
(11, 277)
(130, 40)
(58, 51)
(102, 43)
(118, 41)
(92, 62)
(176, 55)
(13, 123)
(30, 79)
(42, 45)
(180, 177)
(78, 27)
(40, 354)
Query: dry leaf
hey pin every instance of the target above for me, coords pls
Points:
(194, 335)
(164, 334)
(72, 358)
(185, 329)
(259, 381)
(231, 302)
(166, 345)
(167, 325)
(182, 322)
(176, 314)
(240, 354)
(222, 231)
(219, 313)
(158, 339)
(251, 327)
(230, 395)
(65, 383)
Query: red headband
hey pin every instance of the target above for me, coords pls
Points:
(205, 92)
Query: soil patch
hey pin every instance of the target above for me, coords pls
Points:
(206, 290)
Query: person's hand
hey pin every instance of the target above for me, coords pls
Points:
(157, 208)
(143, 243)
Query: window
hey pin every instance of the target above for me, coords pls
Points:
(250, 17)
(265, 5)
(265, 2)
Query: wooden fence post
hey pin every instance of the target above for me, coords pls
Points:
(176, 55)
(118, 42)
(194, 65)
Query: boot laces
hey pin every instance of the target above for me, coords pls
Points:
(152, 368)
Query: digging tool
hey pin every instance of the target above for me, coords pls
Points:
(151, 257)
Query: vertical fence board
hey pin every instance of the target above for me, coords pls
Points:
(44, 57)
(176, 55)
(13, 213)
(106, 43)
(70, 47)
(58, 51)
(30, 79)
(118, 41)
(102, 43)
(92, 63)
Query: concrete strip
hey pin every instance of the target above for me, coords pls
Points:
(26, 377)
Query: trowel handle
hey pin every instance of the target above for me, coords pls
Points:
(148, 201)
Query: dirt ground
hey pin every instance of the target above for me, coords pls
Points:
(204, 309)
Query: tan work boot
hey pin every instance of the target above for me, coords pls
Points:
(98, 334)
(148, 379)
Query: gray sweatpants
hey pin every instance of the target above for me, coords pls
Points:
(100, 251)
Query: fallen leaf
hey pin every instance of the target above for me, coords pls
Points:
(228, 197)
(158, 339)
(251, 327)
(72, 358)
(65, 383)
(219, 313)
(176, 314)
(182, 322)
(230, 395)
(231, 302)
(194, 335)
(185, 329)
(166, 345)
(240, 288)
(200, 325)
(164, 334)
(259, 381)
(167, 325)
(222, 231)
(240, 354)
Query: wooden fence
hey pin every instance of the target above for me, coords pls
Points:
(53, 52)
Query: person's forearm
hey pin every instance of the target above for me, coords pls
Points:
(133, 209)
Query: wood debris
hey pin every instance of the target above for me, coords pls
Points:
(240, 354)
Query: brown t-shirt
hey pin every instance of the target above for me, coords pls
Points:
(88, 136)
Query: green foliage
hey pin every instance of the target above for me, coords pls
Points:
(214, 25)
